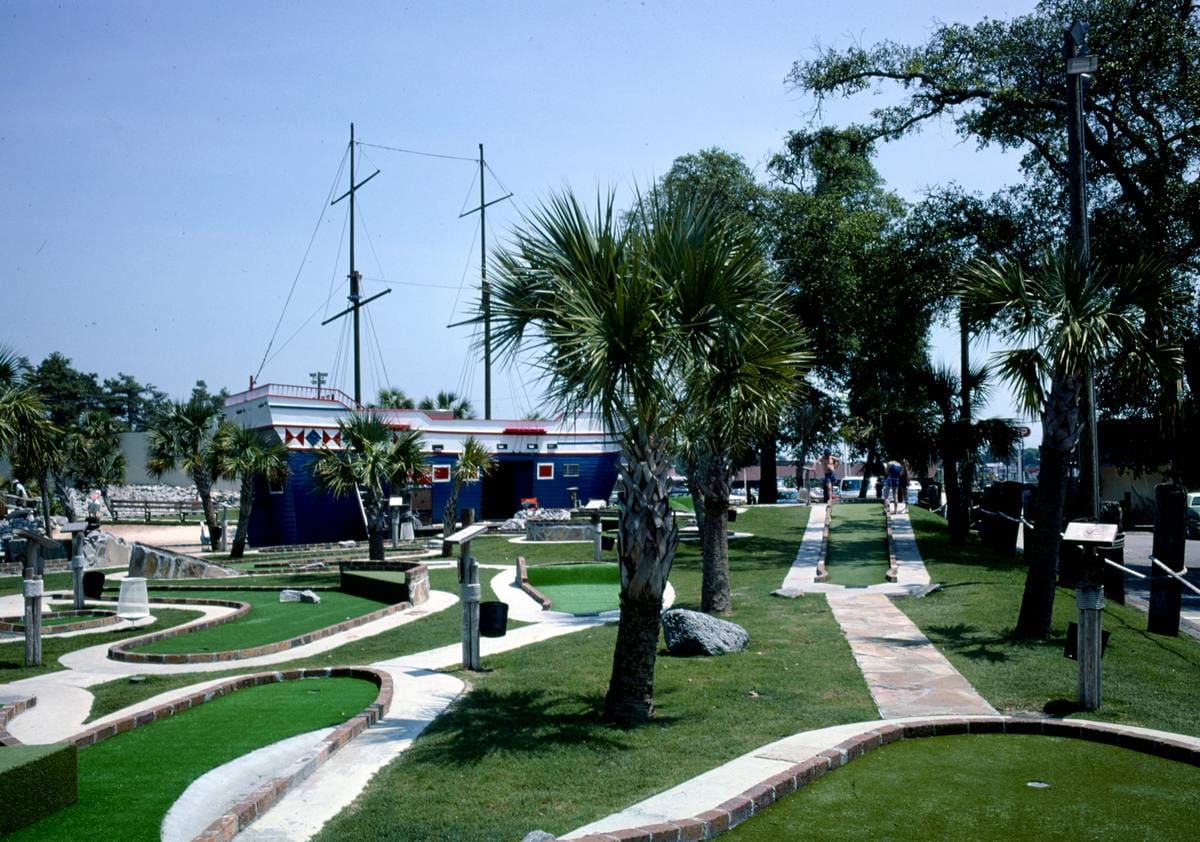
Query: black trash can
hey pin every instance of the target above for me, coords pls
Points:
(93, 584)
(493, 619)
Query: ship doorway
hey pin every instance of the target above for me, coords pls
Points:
(503, 488)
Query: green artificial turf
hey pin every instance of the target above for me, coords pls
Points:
(857, 554)
(12, 655)
(1147, 679)
(529, 745)
(977, 787)
(50, 582)
(579, 588)
(438, 629)
(127, 783)
(269, 620)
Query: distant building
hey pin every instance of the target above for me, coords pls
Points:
(554, 461)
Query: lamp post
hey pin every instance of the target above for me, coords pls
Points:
(1080, 66)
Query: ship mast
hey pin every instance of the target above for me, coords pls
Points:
(355, 298)
(485, 288)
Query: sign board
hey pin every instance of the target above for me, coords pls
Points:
(395, 502)
(1082, 64)
(1091, 533)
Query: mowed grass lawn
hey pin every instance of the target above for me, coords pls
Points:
(528, 743)
(268, 621)
(127, 783)
(857, 554)
(977, 787)
(1148, 679)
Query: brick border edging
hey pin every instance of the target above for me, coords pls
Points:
(121, 651)
(822, 572)
(10, 711)
(712, 823)
(893, 573)
(107, 618)
(523, 583)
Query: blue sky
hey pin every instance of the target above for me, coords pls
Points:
(163, 165)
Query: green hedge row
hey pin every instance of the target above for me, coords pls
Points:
(36, 781)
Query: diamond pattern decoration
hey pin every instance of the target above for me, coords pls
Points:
(312, 438)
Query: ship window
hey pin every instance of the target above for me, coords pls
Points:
(571, 469)
(545, 470)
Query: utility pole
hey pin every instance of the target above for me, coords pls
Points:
(318, 379)
(485, 288)
(356, 303)
(1079, 67)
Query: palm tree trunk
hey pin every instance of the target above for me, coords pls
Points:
(448, 520)
(715, 597)
(630, 698)
(957, 519)
(204, 489)
(377, 524)
(247, 499)
(1060, 432)
(768, 479)
(648, 542)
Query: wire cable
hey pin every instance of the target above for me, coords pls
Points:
(296, 279)
(417, 152)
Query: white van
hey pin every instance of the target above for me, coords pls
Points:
(850, 487)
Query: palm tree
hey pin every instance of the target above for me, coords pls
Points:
(29, 437)
(621, 327)
(392, 398)
(183, 436)
(248, 454)
(746, 373)
(94, 454)
(1069, 317)
(957, 446)
(472, 465)
(461, 407)
(373, 460)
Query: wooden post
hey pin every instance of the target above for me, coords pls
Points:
(1170, 508)
(76, 531)
(469, 593)
(1089, 600)
(32, 589)
(597, 548)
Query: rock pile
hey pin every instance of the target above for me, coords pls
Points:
(151, 493)
(516, 523)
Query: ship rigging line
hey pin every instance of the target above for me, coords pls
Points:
(417, 152)
(300, 269)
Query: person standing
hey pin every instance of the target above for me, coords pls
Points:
(826, 468)
(891, 484)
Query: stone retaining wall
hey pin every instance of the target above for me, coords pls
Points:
(106, 618)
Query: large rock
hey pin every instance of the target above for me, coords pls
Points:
(692, 633)
(156, 563)
(103, 549)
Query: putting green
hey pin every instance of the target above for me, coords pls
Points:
(127, 783)
(990, 786)
(579, 588)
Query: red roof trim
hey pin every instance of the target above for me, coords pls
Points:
(524, 431)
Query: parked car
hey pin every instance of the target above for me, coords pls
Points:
(850, 486)
(1192, 516)
(816, 490)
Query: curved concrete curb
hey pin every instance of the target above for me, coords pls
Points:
(10, 710)
(732, 812)
(103, 618)
(122, 651)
